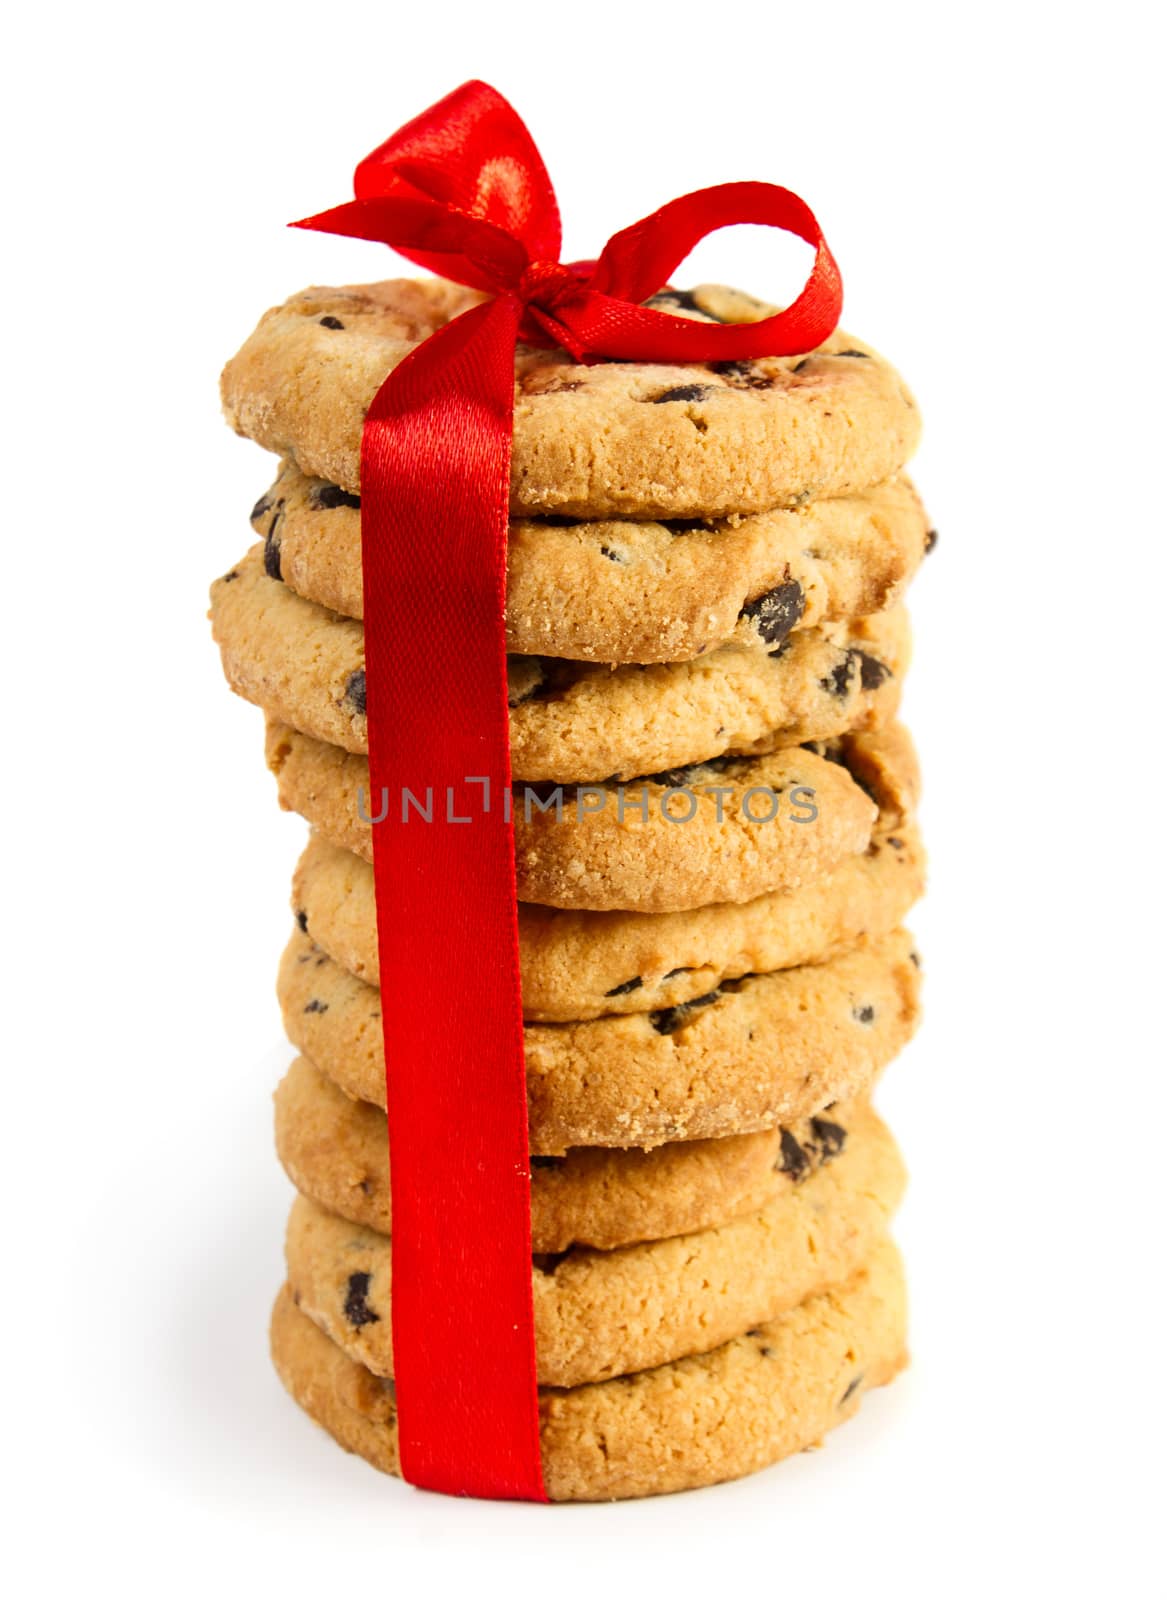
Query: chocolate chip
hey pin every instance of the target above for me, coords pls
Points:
(793, 1159)
(271, 552)
(330, 496)
(805, 362)
(826, 750)
(614, 555)
(851, 1387)
(673, 1018)
(680, 300)
(229, 577)
(686, 391)
(914, 958)
(858, 355)
(547, 1262)
(742, 374)
(896, 844)
(871, 673)
(624, 988)
(774, 613)
(356, 1307)
(838, 680)
(331, 322)
(354, 691)
(680, 777)
(526, 677)
(864, 1014)
(317, 1006)
(261, 507)
(302, 919)
(829, 1136)
(930, 539)
(675, 973)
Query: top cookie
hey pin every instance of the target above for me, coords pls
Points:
(616, 439)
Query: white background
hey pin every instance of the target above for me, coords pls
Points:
(985, 177)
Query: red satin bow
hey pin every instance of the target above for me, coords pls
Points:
(462, 191)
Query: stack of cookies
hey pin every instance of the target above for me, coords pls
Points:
(715, 847)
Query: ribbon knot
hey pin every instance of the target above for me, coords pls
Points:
(545, 284)
(463, 192)
(544, 287)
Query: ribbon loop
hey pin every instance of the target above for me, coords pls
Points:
(639, 259)
(472, 153)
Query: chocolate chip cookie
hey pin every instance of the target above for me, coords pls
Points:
(614, 439)
(758, 1052)
(730, 830)
(767, 1394)
(335, 1150)
(569, 722)
(579, 964)
(623, 591)
(601, 1313)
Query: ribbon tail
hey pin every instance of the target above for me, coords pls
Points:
(435, 481)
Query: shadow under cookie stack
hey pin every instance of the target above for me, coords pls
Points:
(715, 847)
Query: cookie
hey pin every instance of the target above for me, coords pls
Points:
(335, 1150)
(757, 1053)
(572, 723)
(614, 439)
(578, 724)
(601, 1313)
(730, 830)
(773, 1391)
(636, 591)
(580, 964)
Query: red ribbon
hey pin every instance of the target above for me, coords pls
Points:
(462, 191)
